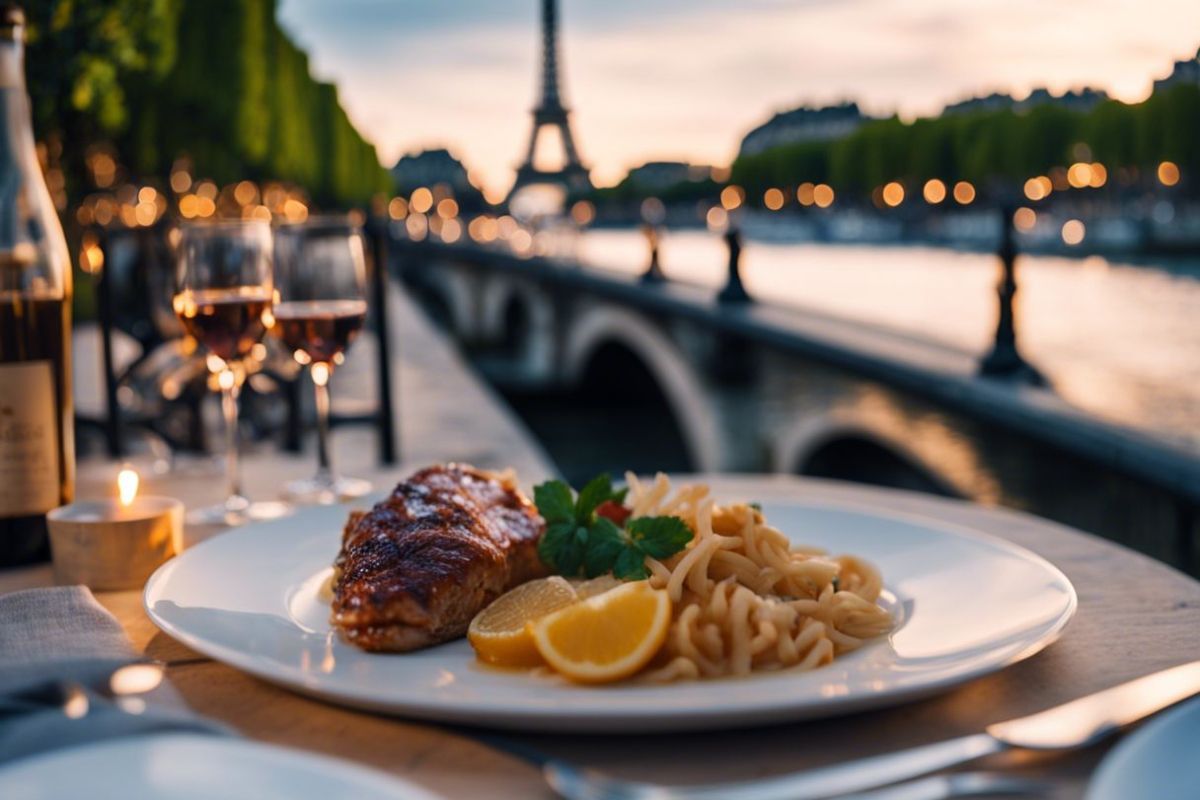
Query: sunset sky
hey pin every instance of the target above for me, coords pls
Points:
(684, 79)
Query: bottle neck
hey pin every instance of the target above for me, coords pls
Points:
(16, 126)
(33, 252)
(12, 64)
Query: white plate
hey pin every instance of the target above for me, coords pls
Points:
(1156, 761)
(966, 604)
(193, 767)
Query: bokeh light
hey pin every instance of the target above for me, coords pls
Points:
(245, 193)
(506, 226)
(934, 191)
(521, 241)
(716, 219)
(1079, 175)
(893, 194)
(1168, 173)
(483, 229)
(1025, 219)
(653, 211)
(732, 197)
(421, 200)
(1073, 232)
(417, 226)
(451, 231)
(583, 212)
(823, 195)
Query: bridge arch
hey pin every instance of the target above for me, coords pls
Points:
(685, 394)
(518, 316)
(831, 446)
(449, 297)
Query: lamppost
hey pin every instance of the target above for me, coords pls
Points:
(731, 361)
(1005, 360)
(734, 291)
(653, 214)
(724, 218)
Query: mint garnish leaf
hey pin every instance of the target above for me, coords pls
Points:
(552, 541)
(631, 565)
(576, 538)
(605, 544)
(554, 502)
(597, 490)
(659, 537)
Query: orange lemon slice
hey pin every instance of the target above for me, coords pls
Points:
(500, 633)
(606, 637)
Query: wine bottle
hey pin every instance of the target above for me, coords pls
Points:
(37, 453)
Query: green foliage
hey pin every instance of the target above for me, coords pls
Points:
(83, 55)
(1111, 131)
(215, 80)
(987, 146)
(1181, 122)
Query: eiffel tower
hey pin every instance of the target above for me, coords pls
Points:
(551, 113)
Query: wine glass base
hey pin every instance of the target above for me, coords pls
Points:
(238, 511)
(324, 491)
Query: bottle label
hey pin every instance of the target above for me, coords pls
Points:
(29, 477)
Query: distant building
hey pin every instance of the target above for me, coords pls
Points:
(1081, 100)
(654, 176)
(803, 124)
(431, 167)
(1183, 72)
(992, 102)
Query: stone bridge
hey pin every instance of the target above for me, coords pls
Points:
(758, 387)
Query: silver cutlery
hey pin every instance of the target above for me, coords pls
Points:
(1070, 726)
(958, 784)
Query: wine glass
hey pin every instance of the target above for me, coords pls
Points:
(224, 300)
(320, 275)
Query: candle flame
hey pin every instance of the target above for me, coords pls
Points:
(127, 485)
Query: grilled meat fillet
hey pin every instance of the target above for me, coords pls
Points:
(415, 569)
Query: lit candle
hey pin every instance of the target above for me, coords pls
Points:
(127, 486)
(115, 543)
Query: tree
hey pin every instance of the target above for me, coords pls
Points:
(217, 81)
(989, 147)
(83, 61)
(1111, 131)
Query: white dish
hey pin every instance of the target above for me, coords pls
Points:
(1158, 760)
(966, 604)
(194, 767)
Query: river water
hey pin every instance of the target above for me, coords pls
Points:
(1119, 340)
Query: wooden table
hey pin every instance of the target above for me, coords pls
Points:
(1135, 616)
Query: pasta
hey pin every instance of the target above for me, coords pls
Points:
(744, 598)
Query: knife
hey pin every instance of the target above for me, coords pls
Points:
(1070, 726)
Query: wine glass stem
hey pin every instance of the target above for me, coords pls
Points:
(320, 376)
(229, 405)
